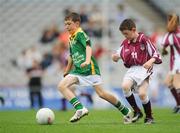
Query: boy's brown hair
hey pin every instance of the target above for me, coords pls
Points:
(74, 17)
(127, 24)
(173, 22)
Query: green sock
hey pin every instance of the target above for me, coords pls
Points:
(75, 102)
(124, 110)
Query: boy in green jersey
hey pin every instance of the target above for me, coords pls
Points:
(82, 69)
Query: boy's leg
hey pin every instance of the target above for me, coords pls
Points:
(65, 88)
(176, 84)
(113, 100)
(177, 99)
(64, 100)
(146, 102)
(170, 81)
(65, 85)
(126, 86)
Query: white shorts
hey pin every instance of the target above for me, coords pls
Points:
(90, 80)
(176, 67)
(137, 74)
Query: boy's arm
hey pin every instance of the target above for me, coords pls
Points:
(149, 64)
(167, 40)
(88, 56)
(155, 56)
(69, 66)
(152, 51)
(116, 56)
(164, 51)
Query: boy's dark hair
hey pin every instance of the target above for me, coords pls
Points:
(127, 24)
(74, 17)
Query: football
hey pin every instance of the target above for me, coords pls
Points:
(45, 116)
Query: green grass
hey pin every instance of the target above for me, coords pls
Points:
(98, 121)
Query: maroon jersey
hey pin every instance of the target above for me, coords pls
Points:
(173, 40)
(138, 52)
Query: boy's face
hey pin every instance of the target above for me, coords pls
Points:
(129, 34)
(71, 26)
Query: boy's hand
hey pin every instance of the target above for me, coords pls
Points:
(84, 64)
(115, 57)
(164, 52)
(149, 64)
(65, 74)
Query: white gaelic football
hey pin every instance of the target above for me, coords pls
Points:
(45, 116)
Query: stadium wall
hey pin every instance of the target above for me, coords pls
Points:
(18, 98)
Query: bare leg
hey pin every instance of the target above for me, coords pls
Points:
(114, 101)
(176, 84)
(172, 82)
(126, 86)
(65, 87)
(105, 95)
(176, 81)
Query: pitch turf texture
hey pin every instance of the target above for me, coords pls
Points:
(98, 121)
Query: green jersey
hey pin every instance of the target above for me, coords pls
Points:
(77, 45)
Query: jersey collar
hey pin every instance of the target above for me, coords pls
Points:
(138, 39)
(75, 33)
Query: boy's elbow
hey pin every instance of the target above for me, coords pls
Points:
(158, 60)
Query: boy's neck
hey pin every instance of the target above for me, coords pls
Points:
(135, 37)
(75, 31)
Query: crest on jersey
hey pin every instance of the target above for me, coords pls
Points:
(142, 47)
(178, 35)
(126, 50)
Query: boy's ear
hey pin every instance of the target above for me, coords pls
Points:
(134, 29)
(77, 23)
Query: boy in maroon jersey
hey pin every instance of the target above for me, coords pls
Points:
(139, 55)
(172, 40)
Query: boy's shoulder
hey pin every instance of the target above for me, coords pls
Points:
(125, 42)
(82, 34)
(80, 31)
(142, 37)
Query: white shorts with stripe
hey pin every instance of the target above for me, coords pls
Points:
(89, 80)
(137, 74)
(176, 67)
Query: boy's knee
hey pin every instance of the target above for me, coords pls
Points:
(144, 99)
(126, 90)
(142, 96)
(126, 87)
(61, 86)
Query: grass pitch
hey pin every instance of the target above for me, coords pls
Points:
(98, 121)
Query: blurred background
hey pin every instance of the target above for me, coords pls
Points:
(34, 48)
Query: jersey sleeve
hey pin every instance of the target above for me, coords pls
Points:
(172, 39)
(83, 39)
(118, 51)
(152, 51)
(167, 40)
